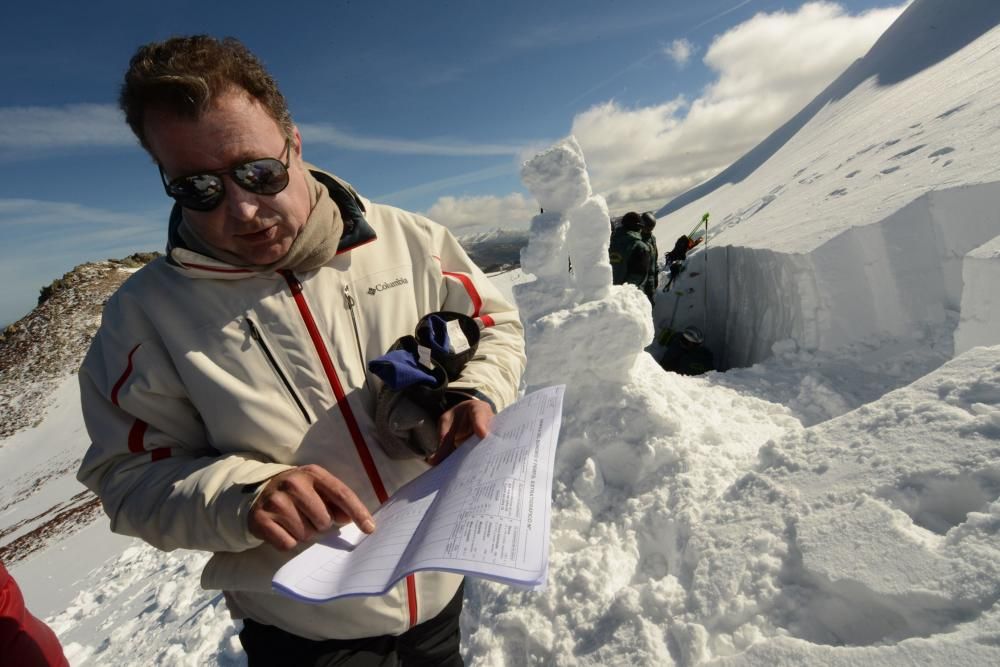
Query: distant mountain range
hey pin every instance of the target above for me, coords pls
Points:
(496, 249)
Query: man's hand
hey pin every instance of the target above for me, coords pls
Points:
(457, 425)
(298, 503)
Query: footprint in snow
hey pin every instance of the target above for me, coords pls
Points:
(908, 151)
(889, 170)
(954, 110)
(853, 173)
(839, 192)
(942, 151)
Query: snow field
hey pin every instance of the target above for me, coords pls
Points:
(149, 609)
(880, 544)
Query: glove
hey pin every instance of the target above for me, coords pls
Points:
(413, 381)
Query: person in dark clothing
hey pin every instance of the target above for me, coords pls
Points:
(653, 277)
(676, 257)
(679, 252)
(686, 353)
(628, 253)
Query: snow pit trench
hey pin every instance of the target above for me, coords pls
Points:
(868, 311)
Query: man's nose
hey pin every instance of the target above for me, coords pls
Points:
(240, 204)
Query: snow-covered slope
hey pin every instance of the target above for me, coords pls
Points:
(40, 501)
(854, 221)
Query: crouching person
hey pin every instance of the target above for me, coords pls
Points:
(686, 353)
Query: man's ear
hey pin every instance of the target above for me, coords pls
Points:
(298, 141)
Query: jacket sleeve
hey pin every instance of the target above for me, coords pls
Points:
(494, 374)
(638, 261)
(150, 461)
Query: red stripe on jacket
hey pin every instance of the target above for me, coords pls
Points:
(338, 390)
(135, 436)
(160, 453)
(121, 380)
(470, 287)
(352, 424)
(411, 598)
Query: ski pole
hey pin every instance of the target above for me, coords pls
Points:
(704, 219)
(673, 314)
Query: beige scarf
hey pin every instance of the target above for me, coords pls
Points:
(315, 245)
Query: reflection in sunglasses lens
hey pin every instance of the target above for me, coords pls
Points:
(203, 192)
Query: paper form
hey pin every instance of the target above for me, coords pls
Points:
(484, 512)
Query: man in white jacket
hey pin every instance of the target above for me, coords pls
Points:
(227, 394)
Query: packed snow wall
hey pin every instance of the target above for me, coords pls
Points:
(919, 269)
(980, 321)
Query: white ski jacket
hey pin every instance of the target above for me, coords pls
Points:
(206, 379)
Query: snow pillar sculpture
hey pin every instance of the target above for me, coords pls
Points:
(575, 322)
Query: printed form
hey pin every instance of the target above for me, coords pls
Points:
(483, 512)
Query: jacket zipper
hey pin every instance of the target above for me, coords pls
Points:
(354, 320)
(295, 286)
(273, 362)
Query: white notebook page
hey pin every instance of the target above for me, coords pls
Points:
(484, 511)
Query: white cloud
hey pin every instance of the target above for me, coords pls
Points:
(679, 51)
(767, 68)
(468, 215)
(70, 126)
(465, 178)
(328, 134)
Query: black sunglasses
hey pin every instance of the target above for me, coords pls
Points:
(204, 192)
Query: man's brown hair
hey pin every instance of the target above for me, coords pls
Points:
(184, 75)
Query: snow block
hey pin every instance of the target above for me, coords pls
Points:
(980, 318)
(588, 247)
(557, 177)
(544, 257)
(562, 347)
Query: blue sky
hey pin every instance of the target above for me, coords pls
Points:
(430, 106)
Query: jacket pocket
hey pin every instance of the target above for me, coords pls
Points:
(272, 361)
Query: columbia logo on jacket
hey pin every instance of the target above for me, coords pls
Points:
(381, 287)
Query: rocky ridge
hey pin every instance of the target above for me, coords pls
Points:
(50, 342)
